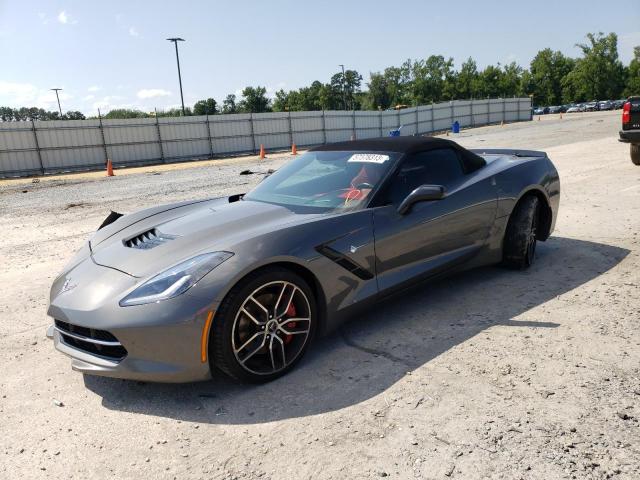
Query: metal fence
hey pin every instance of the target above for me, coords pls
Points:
(42, 147)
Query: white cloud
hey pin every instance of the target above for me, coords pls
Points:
(133, 32)
(93, 88)
(153, 93)
(43, 18)
(86, 98)
(66, 19)
(27, 95)
(271, 90)
(111, 102)
(17, 94)
(626, 42)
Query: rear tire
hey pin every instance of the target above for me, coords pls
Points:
(635, 154)
(263, 326)
(519, 246)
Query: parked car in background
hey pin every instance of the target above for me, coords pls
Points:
(555, 109)
(591, 106)
(605, 105)
(618, 104)
(575, 109)
(541, 110)
(630, 132)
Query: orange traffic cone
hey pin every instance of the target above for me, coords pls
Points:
(538, 118)
(502, 123)
(560, 115)
(262, 155)
(294, 149)
(110, 168)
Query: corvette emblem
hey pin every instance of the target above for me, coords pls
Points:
(67, 286)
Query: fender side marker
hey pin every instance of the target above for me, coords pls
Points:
(204, 341)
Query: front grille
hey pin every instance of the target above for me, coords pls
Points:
(91, 340)
(149, 239)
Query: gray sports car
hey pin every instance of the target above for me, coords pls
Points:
(244, 283)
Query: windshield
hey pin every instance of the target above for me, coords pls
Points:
(325, 180)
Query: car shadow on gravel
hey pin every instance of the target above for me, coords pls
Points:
(372, 352)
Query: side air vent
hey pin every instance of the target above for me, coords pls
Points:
(345, 262)
(148, 240)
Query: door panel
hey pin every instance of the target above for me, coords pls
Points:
(434, 235)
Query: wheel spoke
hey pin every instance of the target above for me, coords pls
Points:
(261, 306)
(282, 325)
(284, 355)
(251, 317)
(277, 311)
(275, 308)
(273, 363)
(246, 359)
(248, 342)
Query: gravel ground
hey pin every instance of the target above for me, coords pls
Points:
(488, 374)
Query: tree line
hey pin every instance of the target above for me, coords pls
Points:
(8, 114)
(551, 79)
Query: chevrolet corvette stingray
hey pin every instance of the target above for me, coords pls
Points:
(244, 283)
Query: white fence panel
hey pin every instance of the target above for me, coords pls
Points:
(54, 146)
(307, 128)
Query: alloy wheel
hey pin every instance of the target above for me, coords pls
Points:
(271, 328)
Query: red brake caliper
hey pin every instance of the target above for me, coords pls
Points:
(291, 312)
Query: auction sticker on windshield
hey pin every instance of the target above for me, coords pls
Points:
(368, 157)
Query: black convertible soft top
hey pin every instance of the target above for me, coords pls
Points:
(406, 145)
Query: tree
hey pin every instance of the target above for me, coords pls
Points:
(174, 112)
(379, 91)
(510, 83)
(281, 102)
(6, 114)
(548, 69)
(121, 113)
(205, 107)
(429, 77)
(73, 115)
(341, 92)
(254, 100)
(468, 80)
(633, 78)
(490, 80)
(229, 104)
(599, 74)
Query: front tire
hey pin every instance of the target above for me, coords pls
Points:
(263, 326)
(635, 154)
(519, 247)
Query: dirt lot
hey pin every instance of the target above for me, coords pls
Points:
(489, 374)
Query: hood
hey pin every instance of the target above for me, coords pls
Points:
(156, 242)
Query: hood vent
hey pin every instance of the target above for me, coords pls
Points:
(148, 240)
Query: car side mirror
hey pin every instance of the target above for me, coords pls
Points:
(423, 193)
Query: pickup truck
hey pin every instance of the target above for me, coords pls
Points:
(630, 132)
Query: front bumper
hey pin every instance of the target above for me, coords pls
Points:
(163, 341)
(629, 136)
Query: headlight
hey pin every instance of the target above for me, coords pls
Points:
(176, 280)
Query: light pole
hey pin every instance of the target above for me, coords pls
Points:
(175, 42)
(344, 91)
(58, 98)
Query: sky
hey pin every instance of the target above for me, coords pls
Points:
(114, 54)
